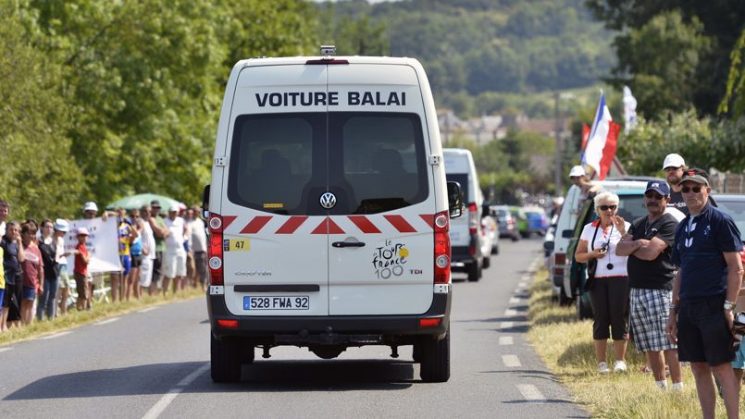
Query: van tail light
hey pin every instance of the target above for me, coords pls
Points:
(442, 248)
(560, 260)
(473, 218)
(214, 252)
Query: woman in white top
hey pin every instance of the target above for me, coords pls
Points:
(609, 291)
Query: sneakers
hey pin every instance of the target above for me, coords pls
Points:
(603, 368)
(619, 366)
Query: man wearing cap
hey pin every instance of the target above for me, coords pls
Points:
(707, 250)
(674, 165)
(157, 224)
(174, 258)
(648, 244)
(578, 176)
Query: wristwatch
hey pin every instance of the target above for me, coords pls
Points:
(729, 305)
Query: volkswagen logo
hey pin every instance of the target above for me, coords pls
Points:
(328, 200)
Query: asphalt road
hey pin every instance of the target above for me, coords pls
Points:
(155, 363)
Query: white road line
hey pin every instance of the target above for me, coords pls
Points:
(6, 349)
(511, 361)
(145, 310)
(514, 300)
(506, 325)
(164, 401)
(525, 278)
(510, 312)
(506, 340)
(107, 321)
(56, 335)
(531, 392)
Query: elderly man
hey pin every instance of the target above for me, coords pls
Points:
(707, 247)
(648, 244)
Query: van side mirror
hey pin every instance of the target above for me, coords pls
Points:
(548, 246)
(455, 199)
(206, 202)
(567, 234)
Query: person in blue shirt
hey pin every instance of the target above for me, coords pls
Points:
(706, 250)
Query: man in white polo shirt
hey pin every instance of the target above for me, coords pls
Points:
(174, 257)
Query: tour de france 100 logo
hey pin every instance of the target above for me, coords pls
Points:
(389, 259)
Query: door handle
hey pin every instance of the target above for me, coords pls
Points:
(348, 244)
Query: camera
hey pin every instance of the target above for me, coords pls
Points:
(604, 247)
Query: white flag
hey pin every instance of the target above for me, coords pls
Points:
(629, 109)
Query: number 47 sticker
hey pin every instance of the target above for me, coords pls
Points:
(236, 245)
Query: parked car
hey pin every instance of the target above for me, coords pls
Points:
(537, 221)
(630, 207)
(734, 206)
(548, 239)
(507, 223)
(490, 243)
(521, 221)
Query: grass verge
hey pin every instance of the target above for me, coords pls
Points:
(565, 345)
(100, 311)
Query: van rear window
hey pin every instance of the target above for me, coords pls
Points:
(371, 161)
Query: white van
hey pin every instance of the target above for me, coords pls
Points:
(465, 232)
(328, 213)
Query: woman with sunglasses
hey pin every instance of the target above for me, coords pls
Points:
(609, 291)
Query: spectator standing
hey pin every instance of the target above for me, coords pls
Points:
(125, 235)
(157, 224)
(13, 256)
(578, 176)
(33, 272)
(610, 291)
(148, 251)
(61, 227)
(199, 247)
(191, 275)
(648, 245)
(705, 289)
(174, 259)
(674, 165)
(80, 270)
(133, 279)
(47, 303)
(4, 212)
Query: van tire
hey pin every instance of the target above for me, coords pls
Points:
(495, 250)
(487, 262)
(435, 359)
(474, 271)
(225, 359)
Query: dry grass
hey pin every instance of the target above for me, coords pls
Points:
(565, 345)
(100, 311)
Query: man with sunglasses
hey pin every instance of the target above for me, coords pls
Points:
(648, 244)
(707, 250)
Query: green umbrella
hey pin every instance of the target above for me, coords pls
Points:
(137, 201)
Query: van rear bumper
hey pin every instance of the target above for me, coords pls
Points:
(350, 330)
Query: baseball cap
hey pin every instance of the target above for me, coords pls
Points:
(673, 160)
(660, 187)
(155, 203)
(61, 225)
(174, 208)
(695, 175)
(82, 231)
(90, 206)
(577, 171)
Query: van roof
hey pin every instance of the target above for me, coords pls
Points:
(302, 60)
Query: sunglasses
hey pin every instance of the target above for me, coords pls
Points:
(694, 189)
(608, 207)
(653, 195)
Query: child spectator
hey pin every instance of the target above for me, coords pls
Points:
(80, 272)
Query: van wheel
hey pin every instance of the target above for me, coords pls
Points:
(487, 262)
(435, 363)
(225, 359)
(416, 352)
(474, 271)
(495, 250)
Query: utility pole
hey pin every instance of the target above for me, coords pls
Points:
(557, 132)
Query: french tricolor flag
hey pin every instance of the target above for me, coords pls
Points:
(600, 149)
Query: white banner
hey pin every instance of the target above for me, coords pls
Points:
(103, 244)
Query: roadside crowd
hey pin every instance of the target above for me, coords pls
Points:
(156, 254)
(674, 276)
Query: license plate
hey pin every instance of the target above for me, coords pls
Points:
(295, 302)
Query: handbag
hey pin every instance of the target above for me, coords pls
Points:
(592, 265)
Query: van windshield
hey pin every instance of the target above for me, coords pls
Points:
(370, 161)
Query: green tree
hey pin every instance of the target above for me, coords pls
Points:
(736, 81)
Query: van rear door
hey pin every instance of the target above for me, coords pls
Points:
(381, 240)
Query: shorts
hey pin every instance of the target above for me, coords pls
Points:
(136, 261)
(648, 315)
(703, 333)
(146, 272)
(174, 264)
(63, 276)
(2, 297)
(29, 293)
(126, 261)
(739, 361)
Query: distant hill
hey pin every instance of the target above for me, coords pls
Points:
(480, 53)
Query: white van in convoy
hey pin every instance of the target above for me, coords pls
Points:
(465, 232)
(329, 213)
